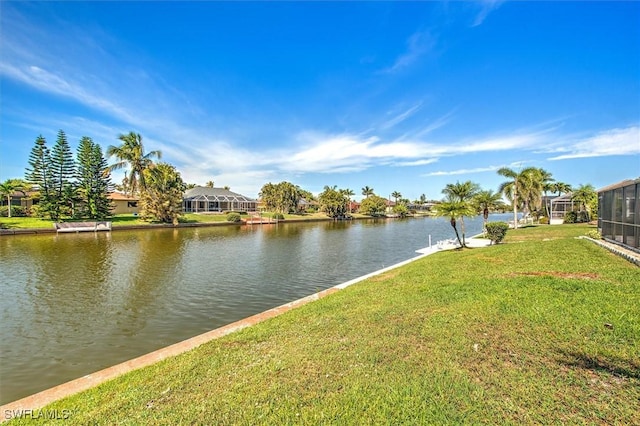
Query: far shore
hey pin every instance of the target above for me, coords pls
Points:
(23, 225)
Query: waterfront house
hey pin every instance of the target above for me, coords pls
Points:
(201, 199)
(123, 203)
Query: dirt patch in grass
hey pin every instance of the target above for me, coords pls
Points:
(574, 275)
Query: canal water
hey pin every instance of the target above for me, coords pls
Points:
(72, 304)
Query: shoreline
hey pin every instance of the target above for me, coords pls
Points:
(52, 230)
(41, 399)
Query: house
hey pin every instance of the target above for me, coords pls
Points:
(203, 199)
(619, 213)
(23, 199)
(559, 206)
(123, 203)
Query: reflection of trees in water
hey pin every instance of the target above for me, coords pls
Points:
(156, 269)
(68, 276)
(59, 287)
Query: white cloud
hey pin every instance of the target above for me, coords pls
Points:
(625, 141)
(417, 162)
(463, 171)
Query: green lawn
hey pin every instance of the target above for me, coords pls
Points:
(24, 223)
(130, 219)
(542, 329)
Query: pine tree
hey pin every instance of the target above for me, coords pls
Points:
(62, 172)
(39, 175)
(94, 180)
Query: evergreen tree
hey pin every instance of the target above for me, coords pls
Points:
(94, 180)
(62, 173)
(39, 174)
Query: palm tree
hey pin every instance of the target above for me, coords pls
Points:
(209, 184)
(131, 154)
(464, 193)
(585, 195)
(510, 190)
(454, 209)
(532, 186)
(486, 201)
(9, 187)
(348, 193)
(396, 195)
(547, 185)
(561, 188)
(366, 191)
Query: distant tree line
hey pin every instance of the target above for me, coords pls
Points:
(79, 187)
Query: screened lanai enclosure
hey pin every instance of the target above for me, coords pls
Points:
(216, 200)
(619, 213)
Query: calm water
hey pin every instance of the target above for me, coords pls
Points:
(75, 303)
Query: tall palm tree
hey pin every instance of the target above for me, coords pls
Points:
(546, 180)
(131, 154)
(586, 196)
(9, 187)
(486, 201)
(454, 209)
(396, 195)
(348, 193)
(532, 187)
(464, 193)
(366, 191)
(510, 190)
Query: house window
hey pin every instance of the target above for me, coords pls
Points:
(133, 204)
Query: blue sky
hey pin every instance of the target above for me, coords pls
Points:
(397, 96)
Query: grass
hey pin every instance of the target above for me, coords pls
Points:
(542, 329)
(24, 223)
(130, 219)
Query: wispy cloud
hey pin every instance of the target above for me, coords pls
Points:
(462, 171)
(624, 141)
(423, 162)
(435, 125)
(418, 45)
(487, 6)
(50, 82)
(399, 118)
(470, 171)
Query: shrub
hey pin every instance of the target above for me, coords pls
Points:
(233, 217)
(594, 234)
(278, 216)
(544, 220)
(16, 211)
(583, 217)
(571, 217)
(496, 231)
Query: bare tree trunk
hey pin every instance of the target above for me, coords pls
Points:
(515, 207)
